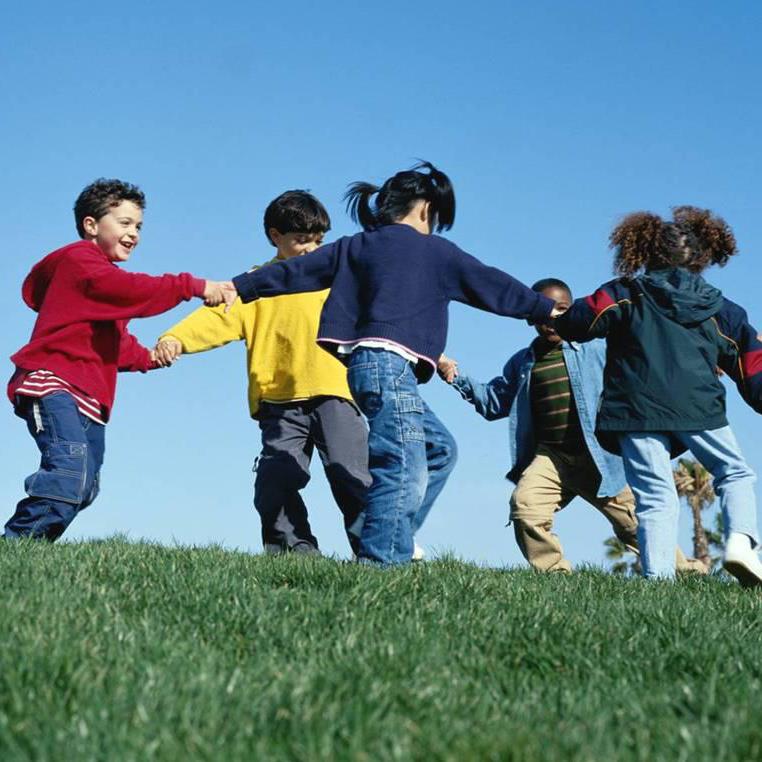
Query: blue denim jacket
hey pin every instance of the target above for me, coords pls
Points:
(508, 396)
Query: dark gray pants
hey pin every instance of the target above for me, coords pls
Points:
(290, 433)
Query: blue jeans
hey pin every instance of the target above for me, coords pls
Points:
(646, 458)
(411, 453)
(67, 481)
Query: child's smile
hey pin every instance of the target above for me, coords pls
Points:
(117, 233)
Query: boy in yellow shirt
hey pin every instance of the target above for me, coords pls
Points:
(298, 392)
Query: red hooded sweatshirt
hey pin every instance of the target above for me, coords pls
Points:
(84, 303)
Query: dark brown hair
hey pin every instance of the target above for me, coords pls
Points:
(100, 196)
(296, 211)
(694, 238)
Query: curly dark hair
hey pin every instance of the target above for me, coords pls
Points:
(716, 243)
(100, 196)
(695, 238)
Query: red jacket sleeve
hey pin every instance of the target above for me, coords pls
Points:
(593, 316)
(743, 359)
(121, 295)
(133, 356)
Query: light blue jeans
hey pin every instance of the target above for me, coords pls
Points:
(411, 454)
(647, 465)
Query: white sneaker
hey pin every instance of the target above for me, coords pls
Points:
(742, 561)
(418, 552)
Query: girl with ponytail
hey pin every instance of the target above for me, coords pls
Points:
(667, 333)
(386, 317)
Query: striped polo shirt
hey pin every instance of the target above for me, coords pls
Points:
(39, 383)
(556, 422)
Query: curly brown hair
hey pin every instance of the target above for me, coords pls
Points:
(694, 238)
(98, 197)
(716, 242)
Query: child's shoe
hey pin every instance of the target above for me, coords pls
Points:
(742, 561)
(419, 554)
(304, 548)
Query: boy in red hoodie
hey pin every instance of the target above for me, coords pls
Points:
(65, 376)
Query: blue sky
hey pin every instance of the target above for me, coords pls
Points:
(552, 119)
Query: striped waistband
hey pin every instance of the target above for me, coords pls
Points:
(39, 383)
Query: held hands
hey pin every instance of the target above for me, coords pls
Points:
(219, 292)
(447, 368)
(166, 352)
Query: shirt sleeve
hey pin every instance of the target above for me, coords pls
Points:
(121, 295)
(593, 316)
(310, 272)
(133, 356)
(208, 328)
(471, 282)
(492, 400)
(742, 357)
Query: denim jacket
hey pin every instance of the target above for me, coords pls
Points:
(508, 396)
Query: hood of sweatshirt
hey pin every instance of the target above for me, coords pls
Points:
(38, 281)
(680, 295)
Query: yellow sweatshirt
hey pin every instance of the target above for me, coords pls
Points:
(285, 363)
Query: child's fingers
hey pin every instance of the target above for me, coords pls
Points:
(159, 358)
(229, 294)
(168, 351)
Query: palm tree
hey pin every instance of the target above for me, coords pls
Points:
(694, 483)
(624, 560)
(715, 537)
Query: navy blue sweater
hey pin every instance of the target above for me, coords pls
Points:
(394, 284)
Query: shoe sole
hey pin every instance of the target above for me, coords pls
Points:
(745, 576)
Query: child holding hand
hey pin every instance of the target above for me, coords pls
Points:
(65, 377)
(550, 391)
(386, 316)
(667, 332)
(298, 393)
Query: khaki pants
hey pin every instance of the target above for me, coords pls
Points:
(550, 482)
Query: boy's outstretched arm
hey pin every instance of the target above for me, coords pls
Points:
(204, 329)
(492, 400)
(593, 316)
(310, 272)
(743, 359)
(115, 294)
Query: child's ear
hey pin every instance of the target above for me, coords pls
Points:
(90, 226)
(425, 212)
(275, 236)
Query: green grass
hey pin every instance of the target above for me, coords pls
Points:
(120, 651)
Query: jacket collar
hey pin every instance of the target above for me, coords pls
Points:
(575, 345)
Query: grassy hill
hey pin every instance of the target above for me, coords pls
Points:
(121, 651)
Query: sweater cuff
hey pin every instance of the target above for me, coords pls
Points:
(244, 287)
(199, 286)
(147, 363)
(541, 311)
